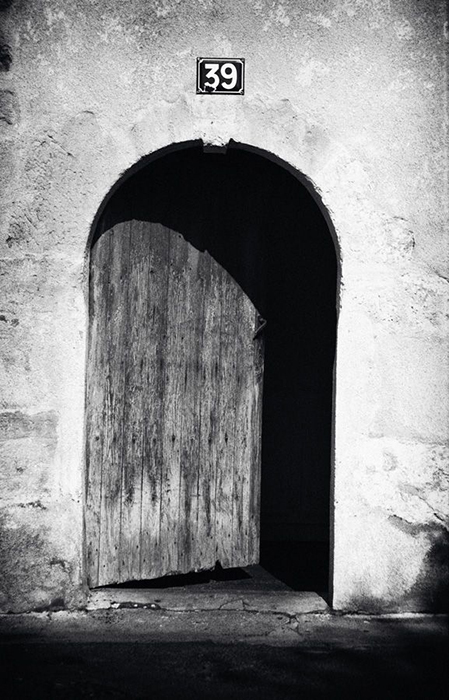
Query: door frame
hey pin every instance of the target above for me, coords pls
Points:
(308, 185)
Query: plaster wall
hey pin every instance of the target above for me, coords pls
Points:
(347, 92)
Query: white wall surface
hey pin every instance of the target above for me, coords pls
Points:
(352, 95)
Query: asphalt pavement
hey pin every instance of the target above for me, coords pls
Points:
(144, 651)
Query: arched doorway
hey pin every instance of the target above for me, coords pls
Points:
(262, 233)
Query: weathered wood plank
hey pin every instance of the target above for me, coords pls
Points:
(204, 528)
(190, 437)
(226, 386)
(95, 402)
(154, 325)
(117, 315)
(173, 405)
(249, 410)
(244, 372)
(175, 385)
(256, 448)
(135, 346)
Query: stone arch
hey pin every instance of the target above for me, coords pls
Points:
(235, 146)
(145, 160)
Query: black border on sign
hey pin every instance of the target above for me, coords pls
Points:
(221, 92)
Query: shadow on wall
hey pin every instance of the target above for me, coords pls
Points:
(430, 592)
(5, 54)
(5, 48)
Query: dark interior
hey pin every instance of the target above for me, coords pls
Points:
(261, 224)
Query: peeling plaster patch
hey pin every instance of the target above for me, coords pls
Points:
(277, 15)
(311, 69)
(390, 461)
(46, 168)
(347, 7)
(31, 565)
(9, 108)
(54, 18)
(281, 16)
(31, 32)
(404, 30)
(399, 236)
(5, 54)
(32, 504)
(431, 587)
(56, 176)
(428, 302)
(432, 507)
(7, 170)
(111, 29)
(17, 425)
(28, 284)
(319, 19)
(146, 130)
(416, 564)
(27, 450)
(402, 81)
(424, 500)
(412, 529)
(385, 238)
(362, 601)
(414, 305)
(22, 228)
(409, 528)
(266, 111)
(59, 562)
(430, 591)
(14, 322)
(163, 8)
(381, 559)
(318, 147)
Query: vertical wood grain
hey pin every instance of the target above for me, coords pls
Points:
(134, 347)
(204, 527)
(255, 456)
(190, 435)
(96, 403)
(226, 419)
(173, 404)
(174, 389)
(154, 327)
(113, 427)
(244, 372)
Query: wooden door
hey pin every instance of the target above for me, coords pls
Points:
(173, 410)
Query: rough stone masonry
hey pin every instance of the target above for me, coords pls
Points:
(350, 94)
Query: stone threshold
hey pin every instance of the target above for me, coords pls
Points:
(180, 600)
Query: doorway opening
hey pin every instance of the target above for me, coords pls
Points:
(263, 227)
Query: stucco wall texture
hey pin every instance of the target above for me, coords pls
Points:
(350, 93)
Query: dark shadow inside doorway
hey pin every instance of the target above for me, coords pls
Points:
(296, 566)
(263, 226)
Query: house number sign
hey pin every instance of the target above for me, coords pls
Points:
(220, 76)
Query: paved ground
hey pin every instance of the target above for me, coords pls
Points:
(237, 654)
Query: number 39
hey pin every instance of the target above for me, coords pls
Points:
(226, 71)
